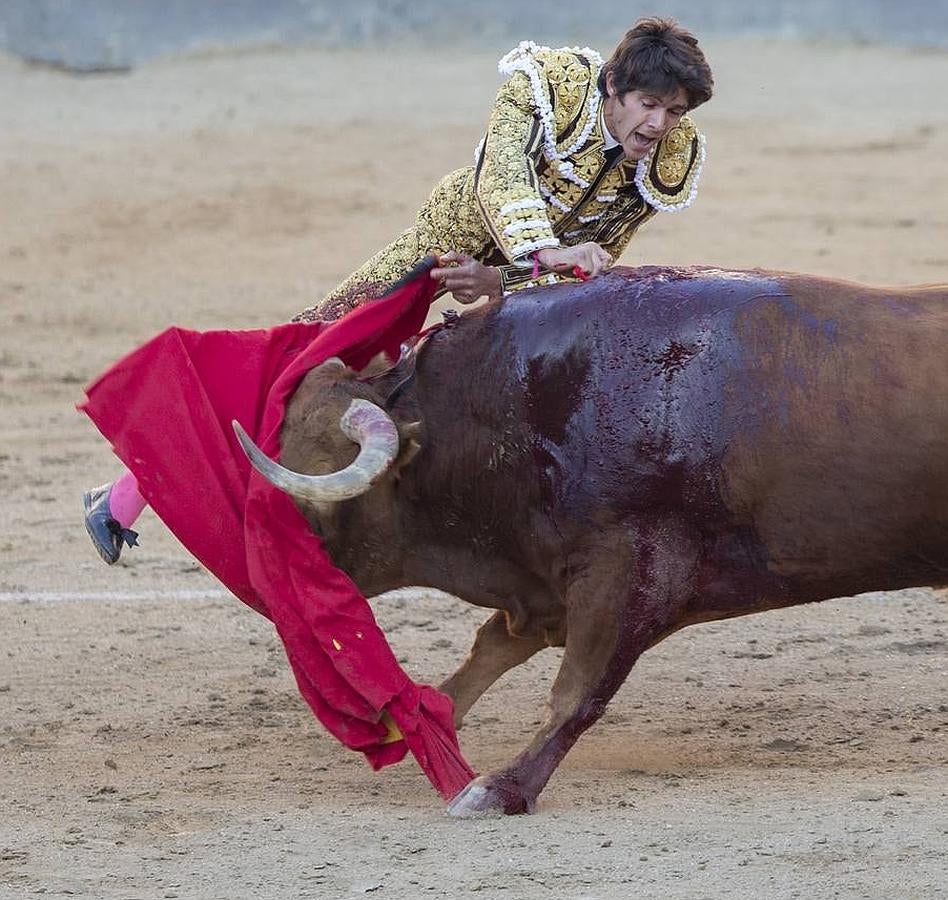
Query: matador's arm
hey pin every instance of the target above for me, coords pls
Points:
(505, 178)
(516, 278)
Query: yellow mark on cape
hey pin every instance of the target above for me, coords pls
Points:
(393, 732)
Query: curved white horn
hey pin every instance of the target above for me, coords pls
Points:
(365, 424)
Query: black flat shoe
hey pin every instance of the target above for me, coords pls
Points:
(107, 533)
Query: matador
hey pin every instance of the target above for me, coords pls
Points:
(578, 153)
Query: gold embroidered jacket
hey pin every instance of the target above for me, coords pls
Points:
(541, 173)
(541, 178)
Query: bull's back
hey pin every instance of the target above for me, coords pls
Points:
(799, 424)
(628, 383)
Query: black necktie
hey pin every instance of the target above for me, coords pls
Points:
(613, 156)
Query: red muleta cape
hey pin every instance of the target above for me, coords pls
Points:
(167, 409)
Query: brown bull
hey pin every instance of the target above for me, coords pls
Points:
(607, 463)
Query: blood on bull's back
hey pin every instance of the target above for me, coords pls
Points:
(799, 424)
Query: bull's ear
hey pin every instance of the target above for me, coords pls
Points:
(407, 453)
(409, 444)
(379, 365)
(333, 369)
(409, 431)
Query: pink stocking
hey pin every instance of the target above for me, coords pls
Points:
(125, 503)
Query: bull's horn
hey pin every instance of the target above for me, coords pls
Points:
(365, 424)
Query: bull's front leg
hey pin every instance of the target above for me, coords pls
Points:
(628, 595)
(495, 652)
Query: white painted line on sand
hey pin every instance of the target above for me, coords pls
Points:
(85, 596)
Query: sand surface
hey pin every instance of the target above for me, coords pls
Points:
(153, 742)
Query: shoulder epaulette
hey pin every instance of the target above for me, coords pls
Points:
(668, 177)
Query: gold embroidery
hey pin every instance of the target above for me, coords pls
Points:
(669, 178)
(505, 174)
(516, 195)
(674, 154)
(569, 79)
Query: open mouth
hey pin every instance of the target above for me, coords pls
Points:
(641, 142)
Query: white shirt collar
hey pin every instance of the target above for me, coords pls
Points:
(608, 140)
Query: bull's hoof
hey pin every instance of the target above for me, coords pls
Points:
(486, 796)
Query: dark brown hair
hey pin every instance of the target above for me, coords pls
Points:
(659, 56)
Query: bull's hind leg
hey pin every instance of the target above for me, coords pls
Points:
(628, 594)
(495, 651)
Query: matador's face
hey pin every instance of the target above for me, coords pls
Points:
(639, 120)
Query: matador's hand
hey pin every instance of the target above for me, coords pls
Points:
(590, 257)
(466, 278)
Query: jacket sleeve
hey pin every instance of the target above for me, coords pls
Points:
(505, 179)
(516, 278)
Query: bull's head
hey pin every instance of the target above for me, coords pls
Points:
(338, 444)
(364, 423)
(309, 437)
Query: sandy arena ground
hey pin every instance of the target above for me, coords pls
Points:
(153, 742)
